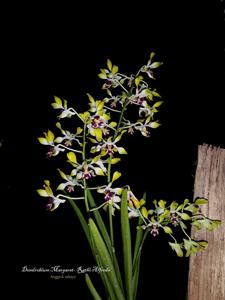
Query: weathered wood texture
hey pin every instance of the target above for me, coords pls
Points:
(207, 268)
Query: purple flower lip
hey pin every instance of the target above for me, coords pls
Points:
(97, 122)
(50, 152)
(70, 188)
(154, 231)
(109, 195)
(49, 205)
(86, 175)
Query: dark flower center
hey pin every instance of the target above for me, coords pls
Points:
(97, 122)
(109, 195)
(174, 219)
(50, 152)
(49, 205)
(154, 231)
(86, 173)
(70, 188)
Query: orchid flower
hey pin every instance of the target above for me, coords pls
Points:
(54, 201)
(49, 140)
(87, 169)
(144, 128)
(65, 112)
(151, 66)
(110, 75)
(108, 147)
(112, 196)
(70, 183)
(69, 137)
(98, 125)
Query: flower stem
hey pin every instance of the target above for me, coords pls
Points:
(71, 198)
(70, 149)
(84, 158)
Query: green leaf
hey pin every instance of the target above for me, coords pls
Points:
(137, 250)
(92, 288)
(126, 238)
(105, 235)
(105, 259)
(82, 220)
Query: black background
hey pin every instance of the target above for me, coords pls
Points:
(58, 50)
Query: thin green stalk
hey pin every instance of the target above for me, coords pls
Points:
(136, 264)
(91, 287)
(84, 158)
(127, 252)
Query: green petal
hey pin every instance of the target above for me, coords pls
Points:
(58, 140)
(63, 175)
(156, 65)
(115, 70)
(61, 187)
(58, 100)
(50, 136)
(121, 150)
(91, 99)
(42, 193)
(72, 157)
(115, 160)
(98, 134)
(185, 216)
(56, 106)
(157, 104)
(144, 212)
(168, 230)
(176, 247)
(43, 141)
(112, 124)
(109, 64)
(79, 130)
(102, 75)
(200, 201)
(116, 175)
(98, 171)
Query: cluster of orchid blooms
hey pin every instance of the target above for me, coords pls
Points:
(94, 147)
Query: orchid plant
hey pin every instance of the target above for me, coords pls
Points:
(92, 150)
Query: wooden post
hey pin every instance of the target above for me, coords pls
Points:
(207, 268)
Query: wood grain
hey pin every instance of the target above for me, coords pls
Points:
(207, 268)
